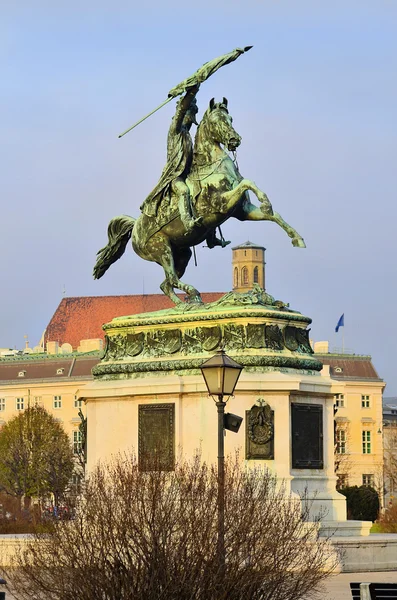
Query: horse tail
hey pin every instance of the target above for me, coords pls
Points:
(119, 232)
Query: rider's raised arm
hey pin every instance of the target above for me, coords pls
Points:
(183, 106)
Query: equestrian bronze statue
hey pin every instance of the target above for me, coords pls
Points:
(199, 189)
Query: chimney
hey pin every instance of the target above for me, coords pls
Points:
(90, 345)
(321, 347)
(52, 347)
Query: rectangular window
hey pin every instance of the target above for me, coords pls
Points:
(341, 441)
(20, 403)
(368, 480)
(77, 446)
(365, 403)
(57, 402)
(76, 483)
(366, 440)
(77, 403)
(340, 400)
(2, 404)
(37, 400)
(342, 482)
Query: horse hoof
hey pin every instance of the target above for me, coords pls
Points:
(194, 299)
(298, 243)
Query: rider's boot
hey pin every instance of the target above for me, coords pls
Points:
(213, 241)
(185, 211)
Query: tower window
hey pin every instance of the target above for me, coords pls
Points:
(256, 275)
(235, 277)
(244, 276)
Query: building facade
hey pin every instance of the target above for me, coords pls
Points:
(50, 381)
(389, 432)
(357, 390)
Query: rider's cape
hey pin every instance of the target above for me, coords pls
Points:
(179, 154)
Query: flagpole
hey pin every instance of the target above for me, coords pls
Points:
(343, 340)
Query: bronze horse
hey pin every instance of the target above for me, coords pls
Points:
(218, 192)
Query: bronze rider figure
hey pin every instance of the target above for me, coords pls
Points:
(179, 160)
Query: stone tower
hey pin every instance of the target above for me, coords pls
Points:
(248, 265)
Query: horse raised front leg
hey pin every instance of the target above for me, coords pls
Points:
(246, 185)
(297, 240)
(250, 212)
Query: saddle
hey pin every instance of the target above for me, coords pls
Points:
(167, 211)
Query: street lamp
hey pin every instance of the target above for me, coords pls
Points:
(221, 374)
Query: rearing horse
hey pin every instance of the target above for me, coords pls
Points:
(218, 192)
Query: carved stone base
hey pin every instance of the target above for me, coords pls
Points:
(257, 331)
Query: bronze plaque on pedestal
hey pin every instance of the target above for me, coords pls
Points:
(156, 437)
(307, 436)
(259, 438)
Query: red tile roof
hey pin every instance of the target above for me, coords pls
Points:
(82, 317)
(46, 368)
(352, 367)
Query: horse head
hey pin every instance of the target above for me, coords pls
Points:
(218, 124)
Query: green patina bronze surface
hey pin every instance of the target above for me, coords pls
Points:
(258, 335)
(199, 189)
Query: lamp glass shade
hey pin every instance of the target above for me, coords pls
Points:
(221, 374)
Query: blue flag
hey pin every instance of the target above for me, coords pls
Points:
(341, 323)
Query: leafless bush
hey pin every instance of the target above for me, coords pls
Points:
(153, 535)
(388, 521)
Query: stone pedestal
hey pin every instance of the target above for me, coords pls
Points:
(148, 390)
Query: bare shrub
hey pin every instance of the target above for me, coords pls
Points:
(388, 521)
(153, 535)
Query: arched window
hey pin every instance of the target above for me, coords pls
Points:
(256, 275)
(244, 276)
(235, 277)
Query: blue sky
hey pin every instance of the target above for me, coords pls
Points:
(314, 101)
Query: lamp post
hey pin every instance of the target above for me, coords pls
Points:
(221, 374)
